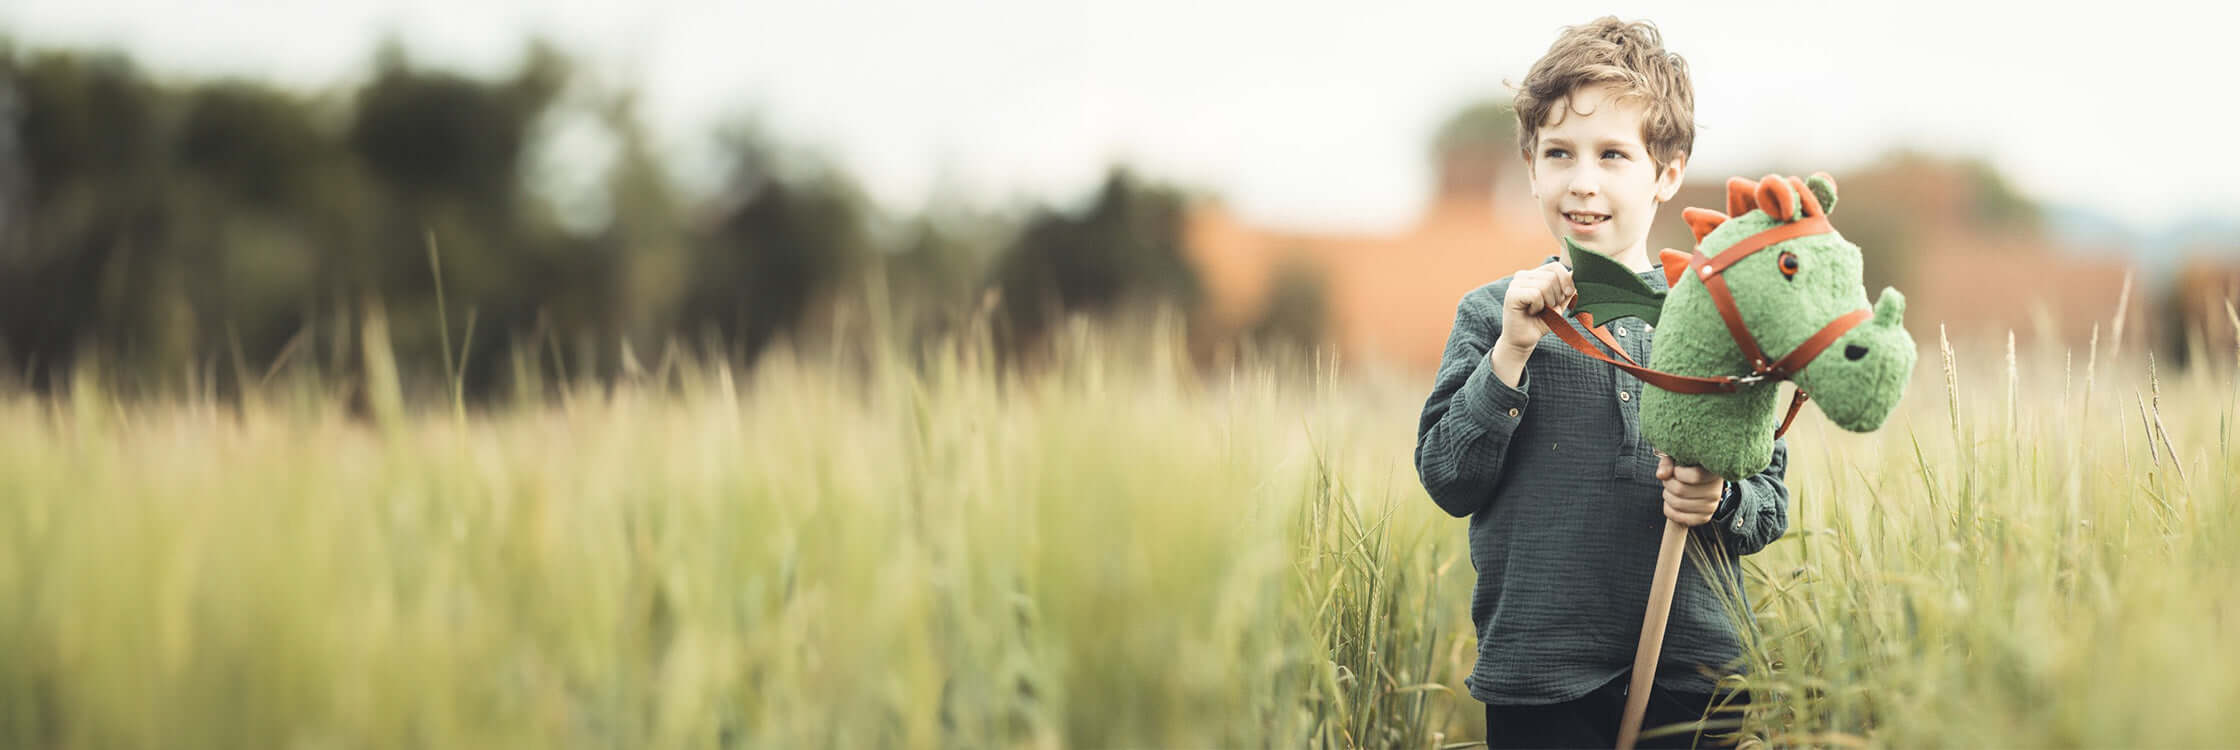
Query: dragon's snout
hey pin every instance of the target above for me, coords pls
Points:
(1860, 390)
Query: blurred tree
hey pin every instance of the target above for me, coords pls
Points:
(87, 259)
(446, 155)
(13, 211)
(1126, 248)
(938, 271)
(938, 268)
(441, 136)
(1475, 152)
(646, 226)
(789, 235)
(1995, 202)
(1297, 313)
(258, 144)
(167, 227)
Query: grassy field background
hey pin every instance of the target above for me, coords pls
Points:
(890, 551)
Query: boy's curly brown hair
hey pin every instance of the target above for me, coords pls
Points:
(1630, 55)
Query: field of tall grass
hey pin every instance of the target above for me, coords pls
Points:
(1115, 551)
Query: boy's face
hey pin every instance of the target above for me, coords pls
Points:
(1592, 173)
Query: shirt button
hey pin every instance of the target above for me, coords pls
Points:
(1512, 412)
(1624, 396)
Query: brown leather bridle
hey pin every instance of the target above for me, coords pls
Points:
(1711, 272)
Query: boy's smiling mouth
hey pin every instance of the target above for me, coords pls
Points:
(1585, 219)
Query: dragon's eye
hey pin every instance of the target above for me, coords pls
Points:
(1788, 265)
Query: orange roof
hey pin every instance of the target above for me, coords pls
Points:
(1391, 297)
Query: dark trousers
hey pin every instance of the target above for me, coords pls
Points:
(1591, 720)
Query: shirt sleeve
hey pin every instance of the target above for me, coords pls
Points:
(1755, 511)
(1462, 438)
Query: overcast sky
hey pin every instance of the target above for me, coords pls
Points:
(1300, 115)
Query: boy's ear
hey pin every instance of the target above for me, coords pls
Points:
(1673, 175)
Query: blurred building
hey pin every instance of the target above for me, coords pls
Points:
(2203, 303)
(1391, 297)
(1966, 250)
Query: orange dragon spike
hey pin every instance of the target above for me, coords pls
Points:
(1741, 196)
(1675, 263)
(1702, 220)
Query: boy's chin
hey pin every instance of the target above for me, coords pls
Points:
(1594, 242)
(1604, 242)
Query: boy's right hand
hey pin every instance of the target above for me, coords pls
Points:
(1531, 291)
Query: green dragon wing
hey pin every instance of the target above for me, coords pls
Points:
(1608, 290)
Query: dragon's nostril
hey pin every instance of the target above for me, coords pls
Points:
(1854, 351)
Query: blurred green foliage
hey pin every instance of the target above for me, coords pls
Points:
(1126, 248)
(1298, 314)
(170, 229)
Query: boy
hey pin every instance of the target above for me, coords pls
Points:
(1541, 448)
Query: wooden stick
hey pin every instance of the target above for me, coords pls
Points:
(1652, 631)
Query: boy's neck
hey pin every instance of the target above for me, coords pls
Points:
(1635, 258)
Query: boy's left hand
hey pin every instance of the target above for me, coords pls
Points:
(1691, 493)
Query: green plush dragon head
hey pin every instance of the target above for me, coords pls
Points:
(1790, 276)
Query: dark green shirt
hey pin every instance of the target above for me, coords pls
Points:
(1566, 515)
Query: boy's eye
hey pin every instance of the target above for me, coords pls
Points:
(1556, 153)
(1613, 154)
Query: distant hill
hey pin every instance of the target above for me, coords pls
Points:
(2083, 230)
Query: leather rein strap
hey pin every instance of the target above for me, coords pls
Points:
(1710, 271)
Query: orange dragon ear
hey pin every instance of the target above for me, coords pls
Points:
(1702, 220)
(1741, 196)
(1811, 203)
(1675, 263)
(1775, 197)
